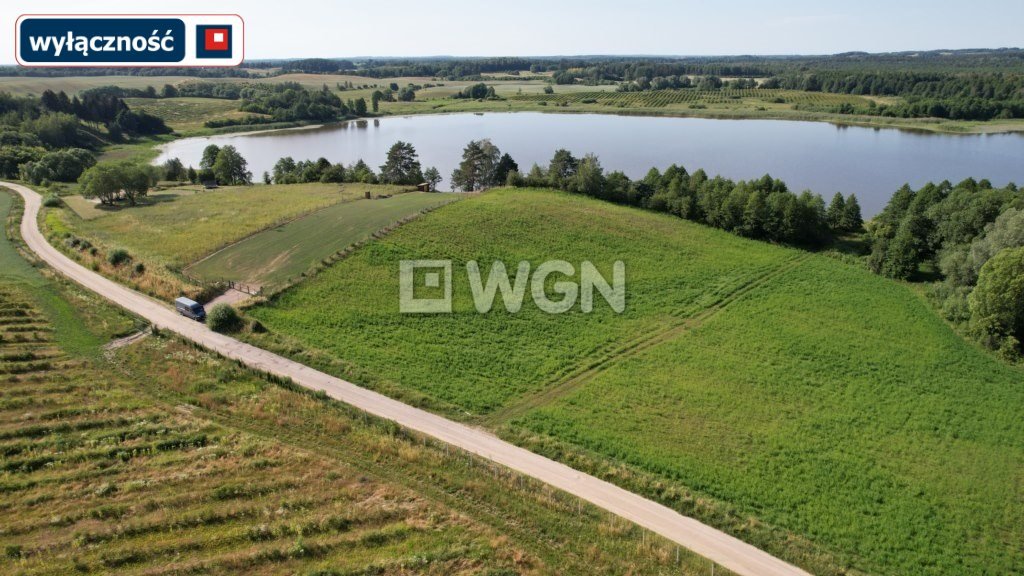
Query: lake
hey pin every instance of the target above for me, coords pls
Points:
(818, 156)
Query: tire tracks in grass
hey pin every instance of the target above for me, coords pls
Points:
(670, 328)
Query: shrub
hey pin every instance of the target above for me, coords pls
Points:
(224, 318)
(140, 268)
(51, 201)
(118, 256)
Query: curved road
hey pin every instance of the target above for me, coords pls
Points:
(725, 550)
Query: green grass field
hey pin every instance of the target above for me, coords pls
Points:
(176, 229)
(807, 405)
(491, 360)
(162, 459)
(276, 257)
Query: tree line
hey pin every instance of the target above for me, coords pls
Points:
(972, 236)
(402, 166)
(762, 209)
(52, 138)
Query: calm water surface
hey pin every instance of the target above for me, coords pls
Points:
(818, 156)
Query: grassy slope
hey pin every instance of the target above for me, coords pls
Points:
(482, 362)
(833, 403)
(162, 458)
(276, 256)
(822, 400)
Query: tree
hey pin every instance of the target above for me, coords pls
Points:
(169, 91)
(852, 221)
(402, 165)
(505, 165)
(174, 169)
(476, 171)
(997, 303)
(432, 177)
(136, 180)
(360, 107)
(209, 157)
(193, 177)
(266, 177)
(102, 181)
(562, 169)
(836, 210)
(375, 99)
(589, 177)
(230, 168)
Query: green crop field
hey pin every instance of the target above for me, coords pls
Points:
(275, 257)
(813, 408)
(177, 229)
(160, 458)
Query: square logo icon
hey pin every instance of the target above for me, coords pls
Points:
(213, 41)
(433, 278)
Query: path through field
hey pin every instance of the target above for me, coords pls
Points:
(721, 548)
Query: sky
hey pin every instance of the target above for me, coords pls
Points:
(310, 28)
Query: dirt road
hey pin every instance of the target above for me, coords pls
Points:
(704, 540)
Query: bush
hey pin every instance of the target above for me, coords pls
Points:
(140, 268)
(118, 256)
(51, 201)
(223, 318)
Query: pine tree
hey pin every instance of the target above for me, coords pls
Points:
(852, 221)
(836, 210)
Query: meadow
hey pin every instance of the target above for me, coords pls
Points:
(491, 360)
(813, 408)
(279, 256)
(186, 115)
(160, 458)
(176, 228)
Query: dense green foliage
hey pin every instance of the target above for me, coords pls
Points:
(58, 166)
(952, 229)
(997, 303)
(288, 171)
(110, 182)
(224, 318)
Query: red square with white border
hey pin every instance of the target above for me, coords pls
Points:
(217, 39)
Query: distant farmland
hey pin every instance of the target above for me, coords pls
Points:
(768, 391)
(273, 257)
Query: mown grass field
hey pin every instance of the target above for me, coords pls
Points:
(159, 458)
(177, 229)
(807, 405)
(281, 255)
